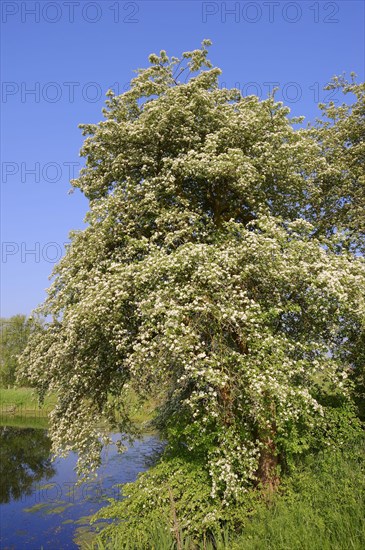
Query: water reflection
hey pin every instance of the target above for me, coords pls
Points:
(24, 460)
(41, 505)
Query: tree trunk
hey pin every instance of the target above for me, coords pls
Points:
(267, 471)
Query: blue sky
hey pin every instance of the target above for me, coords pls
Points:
(60, 57)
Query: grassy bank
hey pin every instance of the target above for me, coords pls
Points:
(319, 507)
(26, 397)
(34, 422)
(141, 413)
(23, 402)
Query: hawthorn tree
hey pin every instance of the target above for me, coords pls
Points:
(339, 202)
(210, 274)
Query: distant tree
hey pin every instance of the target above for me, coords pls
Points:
(14, 335)
(210, 273)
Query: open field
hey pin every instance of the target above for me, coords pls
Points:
(22, 403)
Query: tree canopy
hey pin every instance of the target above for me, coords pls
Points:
(14, 335)
(220, 270)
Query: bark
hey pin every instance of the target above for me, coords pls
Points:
(267, 472)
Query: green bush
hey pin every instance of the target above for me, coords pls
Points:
(320, 506)
(171, 503)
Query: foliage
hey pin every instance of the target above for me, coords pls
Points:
(14, 335)
(205, 277)
(340, 203)
(320, 506)
(172, 498)
(340, 197)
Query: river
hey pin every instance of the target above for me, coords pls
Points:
(41, 507)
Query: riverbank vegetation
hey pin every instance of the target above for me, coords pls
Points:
(319, 506)
(222, 275)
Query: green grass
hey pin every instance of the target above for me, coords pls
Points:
(159, 539)
(23, 397)
(320, 507)
(19, 405)
(141, 413)
(24, 402)
(24, 421)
